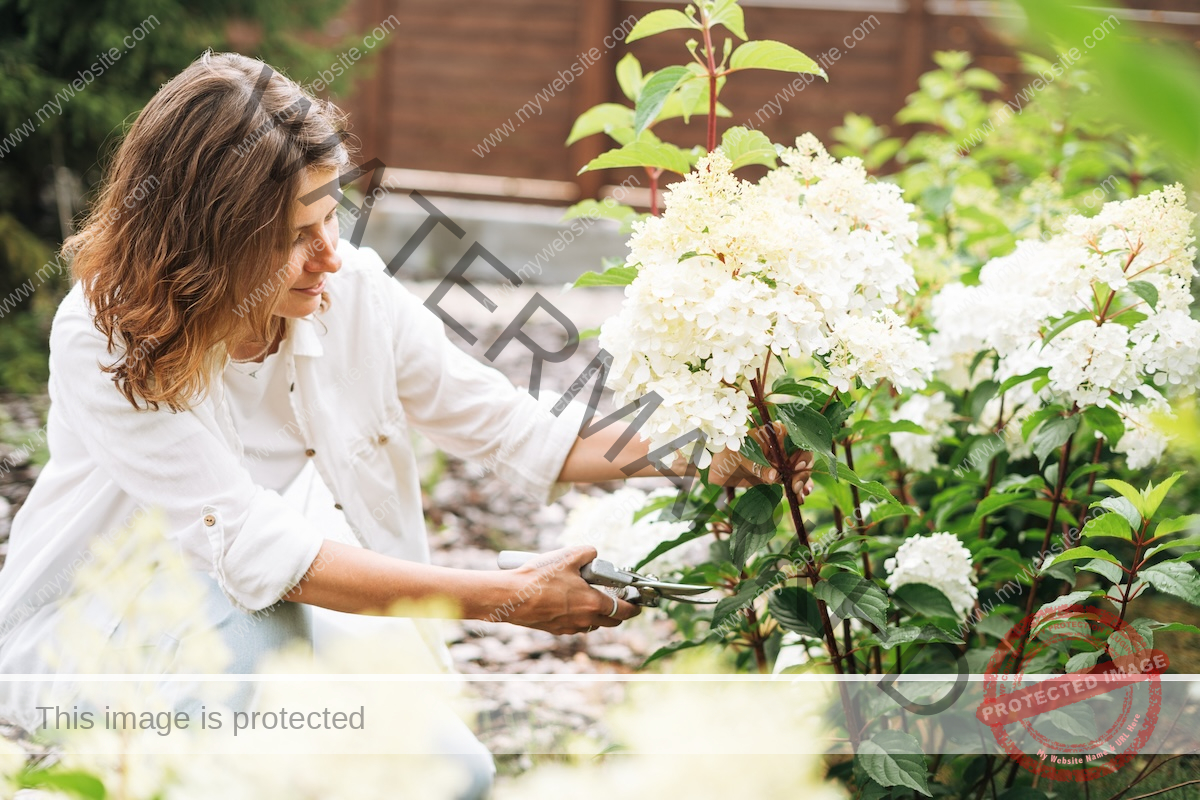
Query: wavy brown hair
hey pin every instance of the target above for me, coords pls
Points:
(194, 218)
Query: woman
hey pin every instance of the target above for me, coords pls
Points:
(191, 373)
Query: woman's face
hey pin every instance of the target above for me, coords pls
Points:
(314, 247)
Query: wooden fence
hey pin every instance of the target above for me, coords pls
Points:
(462, 99)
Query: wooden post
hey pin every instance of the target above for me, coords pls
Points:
(914, 58)
(597, 18)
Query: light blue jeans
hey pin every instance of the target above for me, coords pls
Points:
(252, 637)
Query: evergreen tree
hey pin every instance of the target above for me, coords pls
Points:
(55, 137)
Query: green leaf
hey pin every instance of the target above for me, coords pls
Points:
(753, 519)
(1076, 553)
(1077, 719)
(600, 119)
(980, 396)
(675, 647)
(1129, 493)
(993, 503)
(1108, 570)
(890, 637)
(1175, 525)
(600, 209)
(666, 19)
(751, 450)
(1053, 609)
(895, 758)
(654, 94)
(728, 606)
(1037, 418)
(1107, 421)
(691, 98)
(1017, 380)
(1053, 435)
(873, 489)
(1066, 322)
(1156, 494)
(850, 595)
(1111, 525)
(1122, 507)
(729, 14)
(663, 547)
(1145, 290)
(1081, 662)
(808, 428)
(923, 599)
(1191, 541)
(629, 77)
(1180, 580)
(796, 610)
(1083, 470)
(617, 276)
(870, 428)
(1176, 627)
(77, 783)
(837, 413)
(768, 54)
(643, 153)
(744, 147)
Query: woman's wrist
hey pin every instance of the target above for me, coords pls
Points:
(489, 595)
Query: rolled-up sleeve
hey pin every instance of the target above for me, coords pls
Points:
(471, 410)
(247, 537)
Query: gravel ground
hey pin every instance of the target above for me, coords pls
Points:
(471, 515)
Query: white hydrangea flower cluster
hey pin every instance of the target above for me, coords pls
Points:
(931, 412)
(939, 560)
(607, 524)
(1107, 359)
(809, 262)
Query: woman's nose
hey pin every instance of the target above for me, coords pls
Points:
(324, 257)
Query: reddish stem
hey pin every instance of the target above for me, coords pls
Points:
(1054, 504)
(712, 84)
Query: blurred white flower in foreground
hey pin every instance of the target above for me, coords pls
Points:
(939, 560)
(677, 738)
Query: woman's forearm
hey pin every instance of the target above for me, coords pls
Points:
(588, 461)
(548, 593)
(347, 578)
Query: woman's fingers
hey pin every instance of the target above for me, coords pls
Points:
(763, 436)
(624, 609)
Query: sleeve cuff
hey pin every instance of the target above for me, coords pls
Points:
(533, 466)
(274, 550)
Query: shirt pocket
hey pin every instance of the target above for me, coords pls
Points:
(372, 440)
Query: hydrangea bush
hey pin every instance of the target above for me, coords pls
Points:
(981, 347)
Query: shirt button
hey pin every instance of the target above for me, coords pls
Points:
(383, 439)
(310, 452)
(338, 506)
(210, 520)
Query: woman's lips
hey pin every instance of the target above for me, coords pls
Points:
(312, 291)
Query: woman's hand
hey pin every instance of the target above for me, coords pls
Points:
(731, 468)
(549, 594)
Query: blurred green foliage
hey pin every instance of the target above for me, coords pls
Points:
(55, 160)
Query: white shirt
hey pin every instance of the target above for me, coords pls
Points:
(359, 375)
(263, 417)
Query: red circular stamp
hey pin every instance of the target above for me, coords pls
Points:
(1079, 725)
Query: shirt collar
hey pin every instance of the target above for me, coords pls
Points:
(306, 340)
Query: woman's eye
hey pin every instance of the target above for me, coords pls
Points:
(328, 219)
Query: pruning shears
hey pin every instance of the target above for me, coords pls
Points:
(642, 590)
